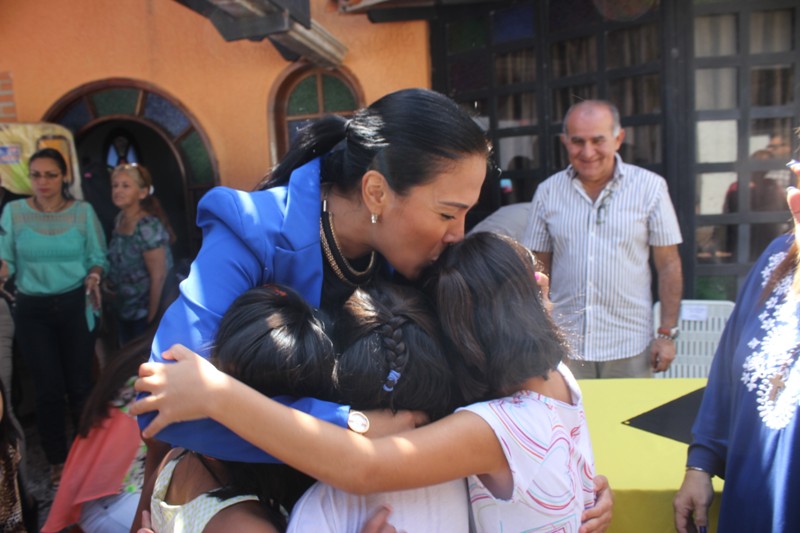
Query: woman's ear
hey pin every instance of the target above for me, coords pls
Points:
(374, 191)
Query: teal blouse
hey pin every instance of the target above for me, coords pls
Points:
(51, 253)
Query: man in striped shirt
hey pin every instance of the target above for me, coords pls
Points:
(592, 226)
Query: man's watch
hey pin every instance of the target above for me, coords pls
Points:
(669, 334)
(358, 422)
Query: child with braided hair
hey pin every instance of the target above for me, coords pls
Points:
(523, 442)
(390, 356)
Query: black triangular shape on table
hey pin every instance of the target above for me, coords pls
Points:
(673, 419)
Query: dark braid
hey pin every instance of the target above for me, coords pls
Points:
(396, 353)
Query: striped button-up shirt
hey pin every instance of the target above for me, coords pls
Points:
(600, 280)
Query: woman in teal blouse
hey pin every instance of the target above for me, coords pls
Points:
(55, 247)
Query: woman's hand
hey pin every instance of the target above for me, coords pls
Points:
(692, 502)
(92, 284)
(182, 391)
(598, 518)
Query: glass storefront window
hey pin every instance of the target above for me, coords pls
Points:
(564, 97)
(712, 244)
(567, 14)
(515, 110)
(515, 67)
(636, 95)
(633, 46)
(575, 56)
(715, 288)
(468, 75)
(513, 24)
(771, 31)
(715, 88)
(715, 36)
(479, 110)
(770, 141)
(642, 145)
(467, 34)
(716, 141)
(712, 188)
(771, 85)
(520, 152)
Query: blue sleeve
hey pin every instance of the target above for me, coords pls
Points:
(712, 426)
(236, 255)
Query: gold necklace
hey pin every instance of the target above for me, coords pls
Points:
(41, 208)
(334, 256)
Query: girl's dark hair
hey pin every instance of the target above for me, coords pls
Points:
(55, 155)
(122, 367)
(497, 331)
(409, 136)
(150, 203)
(383, 328)
(271, 340)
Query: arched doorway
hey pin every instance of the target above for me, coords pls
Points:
(167, 139)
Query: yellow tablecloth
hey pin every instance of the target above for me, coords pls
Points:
(644, 469)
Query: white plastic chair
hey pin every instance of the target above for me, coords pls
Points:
(701, 324)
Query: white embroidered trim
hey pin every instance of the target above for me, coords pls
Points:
(780, 324)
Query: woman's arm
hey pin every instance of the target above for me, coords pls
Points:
(155, 261)
(452, 448)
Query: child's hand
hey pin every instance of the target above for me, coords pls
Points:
(147, 526)
(598, 518)
(179, 392)
(379, 522)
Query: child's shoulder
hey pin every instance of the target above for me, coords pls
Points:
(244, 517)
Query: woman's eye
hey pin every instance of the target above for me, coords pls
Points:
(448, 217)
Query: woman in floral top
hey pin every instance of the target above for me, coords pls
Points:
(139, 252)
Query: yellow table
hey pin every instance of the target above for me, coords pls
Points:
(644, 469)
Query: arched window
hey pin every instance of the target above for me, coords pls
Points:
(307, 93)
(166, 136)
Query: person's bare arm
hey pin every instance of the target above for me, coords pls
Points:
(193, 388)
(155, 261)
(670, 291)
(156, 451)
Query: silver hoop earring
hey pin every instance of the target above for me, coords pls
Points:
(373, 218)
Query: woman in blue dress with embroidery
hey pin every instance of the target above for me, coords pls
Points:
(747, 430)
(139, 252)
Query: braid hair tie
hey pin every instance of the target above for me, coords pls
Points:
(391, 380)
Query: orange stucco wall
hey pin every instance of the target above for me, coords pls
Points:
(50, 47)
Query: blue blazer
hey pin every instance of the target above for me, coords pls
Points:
(249, 239)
